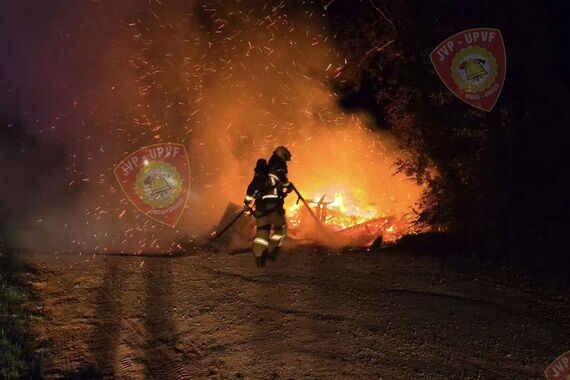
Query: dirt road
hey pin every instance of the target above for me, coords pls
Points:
(311, 315)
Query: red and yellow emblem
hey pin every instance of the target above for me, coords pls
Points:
(473, 64)
(156, 179)
(559, 369)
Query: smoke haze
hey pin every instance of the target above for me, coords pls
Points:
(96, 80)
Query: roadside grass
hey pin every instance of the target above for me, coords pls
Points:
(18, 358)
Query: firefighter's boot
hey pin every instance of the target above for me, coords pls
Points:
(279, 234)
(261, 241)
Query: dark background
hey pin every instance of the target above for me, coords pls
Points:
(502, 192)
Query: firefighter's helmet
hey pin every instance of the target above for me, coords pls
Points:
(474, 69)
(158, 185)
(283, 152)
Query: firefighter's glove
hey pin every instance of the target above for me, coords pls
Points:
(247, 209)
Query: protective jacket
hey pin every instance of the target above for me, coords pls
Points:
(270, 196)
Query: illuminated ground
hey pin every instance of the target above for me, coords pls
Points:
(310, 315)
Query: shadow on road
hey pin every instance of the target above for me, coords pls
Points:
(115, 301)
(160, 358)
(103, 341)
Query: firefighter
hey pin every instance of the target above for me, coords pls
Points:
(269, 211)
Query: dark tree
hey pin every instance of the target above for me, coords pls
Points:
(496, 180)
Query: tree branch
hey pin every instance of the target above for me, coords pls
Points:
(376, 49)
(382, 13)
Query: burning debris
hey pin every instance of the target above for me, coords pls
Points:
(343, 224)
(353, 224)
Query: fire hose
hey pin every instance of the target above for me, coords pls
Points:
(300, 198)
(235, 219)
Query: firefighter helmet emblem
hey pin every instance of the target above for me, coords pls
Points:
(474, 69)
(472, 64)
(158, 184)
(156, 179)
